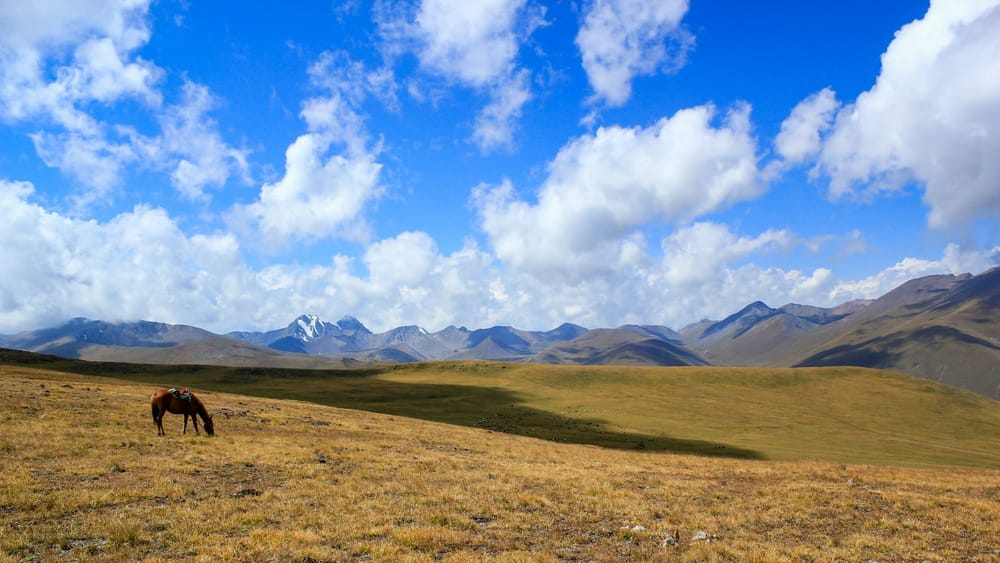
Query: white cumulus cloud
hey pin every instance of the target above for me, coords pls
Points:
(95, 160)
(331, 172)
(933, 116)
(603, 186)
(320, 193)
(497, 122)
(58, 62)
(199, 156)
(36, 80)
(622, 39)
(799, 138)
(53, 23)
(473, 44)
(695, 254)
(138, 265)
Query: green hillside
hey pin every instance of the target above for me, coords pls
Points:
(834, 414)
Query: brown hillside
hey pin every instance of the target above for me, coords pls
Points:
(942, 328)
(945, 330)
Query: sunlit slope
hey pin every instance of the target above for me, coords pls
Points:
(84, 477)
(836, 414)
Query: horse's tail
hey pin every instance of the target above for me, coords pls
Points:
(152, 406)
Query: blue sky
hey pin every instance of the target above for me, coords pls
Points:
(495, 162)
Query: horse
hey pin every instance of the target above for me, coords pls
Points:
(163, 401)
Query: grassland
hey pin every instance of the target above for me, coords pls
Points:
(845, 415)
(84, 477)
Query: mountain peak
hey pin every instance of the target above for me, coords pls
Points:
(741, 321)
(307, 319)
(310, 327)
(755, 307)
(352, 325)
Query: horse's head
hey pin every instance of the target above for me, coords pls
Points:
(209, 426)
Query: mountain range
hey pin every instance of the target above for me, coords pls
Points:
(945, 328)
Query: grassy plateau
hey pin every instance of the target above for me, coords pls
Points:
(483, 462)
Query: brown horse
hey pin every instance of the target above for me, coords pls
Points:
(163, 401)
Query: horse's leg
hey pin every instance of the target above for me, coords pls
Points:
(185, 424)
(158, 420)
(194, 419)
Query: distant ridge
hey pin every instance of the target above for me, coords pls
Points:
(945, 328)
(623, 346)
(69, 339)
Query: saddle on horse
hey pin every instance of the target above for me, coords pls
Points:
(184, 394)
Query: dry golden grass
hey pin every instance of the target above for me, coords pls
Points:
(83, 476)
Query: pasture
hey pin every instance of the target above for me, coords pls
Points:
(842, 415)
(83, 476)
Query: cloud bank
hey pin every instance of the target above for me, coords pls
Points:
(141, 265)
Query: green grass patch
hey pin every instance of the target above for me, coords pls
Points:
(835, 414)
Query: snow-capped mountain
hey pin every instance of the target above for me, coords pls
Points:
(305, 328)
(939, 327)
(348, 337)
(311, 327)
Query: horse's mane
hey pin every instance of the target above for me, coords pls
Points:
(199, 406)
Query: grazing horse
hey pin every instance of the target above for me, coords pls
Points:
(163, 401)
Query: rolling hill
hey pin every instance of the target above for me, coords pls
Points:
(841, 414)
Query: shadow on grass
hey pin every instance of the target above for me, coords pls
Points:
(487, 408)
